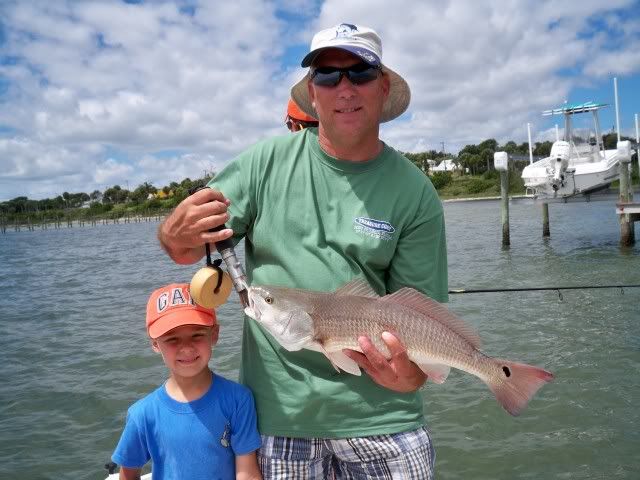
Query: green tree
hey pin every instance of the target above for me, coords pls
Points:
(441, 179)
(486, 154)
(543, 149)
(510, 147)
(141, 193)
(115, 195)
(489, 144)
(470, 149)
(610, 140)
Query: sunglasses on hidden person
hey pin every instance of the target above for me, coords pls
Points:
(358, 74)
(296, 125)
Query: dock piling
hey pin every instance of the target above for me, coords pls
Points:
(627, 211)
(545, 220)
(501, 163)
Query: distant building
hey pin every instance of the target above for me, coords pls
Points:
(447, 165)
(96, 199)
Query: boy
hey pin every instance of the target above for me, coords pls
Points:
(197, 425)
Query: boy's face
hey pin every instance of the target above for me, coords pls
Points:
(186, 350)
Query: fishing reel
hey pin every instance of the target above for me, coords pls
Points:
(211, 286)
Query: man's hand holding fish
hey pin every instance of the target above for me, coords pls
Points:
(397, 373)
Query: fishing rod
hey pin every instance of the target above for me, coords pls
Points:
(533, 289)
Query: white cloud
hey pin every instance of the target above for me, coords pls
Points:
(111, 172)
(92, 91)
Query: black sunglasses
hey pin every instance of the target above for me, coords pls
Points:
(358, 74)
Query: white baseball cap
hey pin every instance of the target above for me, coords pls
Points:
(365, 43)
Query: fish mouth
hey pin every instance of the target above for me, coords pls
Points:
(252, 309)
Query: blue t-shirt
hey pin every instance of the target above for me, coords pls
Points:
(193, 440)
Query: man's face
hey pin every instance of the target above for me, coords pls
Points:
(347, 111)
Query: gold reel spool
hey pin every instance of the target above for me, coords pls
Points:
(203, 287)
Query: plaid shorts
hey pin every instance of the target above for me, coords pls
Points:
(406, 455)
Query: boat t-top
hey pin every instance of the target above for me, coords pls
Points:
(578, 164)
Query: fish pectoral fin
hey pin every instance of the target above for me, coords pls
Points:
(343, 362)
(436, 372)
(338, 359)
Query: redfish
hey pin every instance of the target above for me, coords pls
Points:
(434, 337)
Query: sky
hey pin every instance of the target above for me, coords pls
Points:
(101, 93)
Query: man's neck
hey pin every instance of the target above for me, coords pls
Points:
(189, 389)
(348, 150)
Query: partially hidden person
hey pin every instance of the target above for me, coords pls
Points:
(296, 120)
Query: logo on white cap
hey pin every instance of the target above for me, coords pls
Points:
(345, 30)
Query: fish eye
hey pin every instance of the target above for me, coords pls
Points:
(269, 300)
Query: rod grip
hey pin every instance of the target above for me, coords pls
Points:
(222, 244)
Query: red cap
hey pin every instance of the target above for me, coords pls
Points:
(172, 306)
(293, 111)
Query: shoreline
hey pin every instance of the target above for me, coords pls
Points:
(495, 197)
(609, 194)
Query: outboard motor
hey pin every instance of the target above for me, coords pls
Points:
(559, 161)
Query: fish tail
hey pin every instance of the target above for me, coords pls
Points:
(518, 384)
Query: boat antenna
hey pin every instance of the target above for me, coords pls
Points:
(530, 147)
(615, 93)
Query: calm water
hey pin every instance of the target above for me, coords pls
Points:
(75, 354)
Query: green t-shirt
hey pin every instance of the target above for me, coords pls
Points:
(312, 221)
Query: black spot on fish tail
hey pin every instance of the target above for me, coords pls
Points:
(506, 371)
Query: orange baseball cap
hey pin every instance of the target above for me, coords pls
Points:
(172, 306)
(294, 111)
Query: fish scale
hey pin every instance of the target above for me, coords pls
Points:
(339, 327)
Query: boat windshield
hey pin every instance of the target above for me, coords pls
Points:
(583, 140)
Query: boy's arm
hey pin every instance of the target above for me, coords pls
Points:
(247, 467)
(130, 473)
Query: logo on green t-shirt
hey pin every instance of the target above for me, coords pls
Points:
(373, 228)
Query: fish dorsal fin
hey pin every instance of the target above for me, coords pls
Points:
(357, 288)
(410, 298)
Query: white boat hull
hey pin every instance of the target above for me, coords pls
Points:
(581, 175)
(116, 476)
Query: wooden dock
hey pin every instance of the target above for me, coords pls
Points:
(629, 208)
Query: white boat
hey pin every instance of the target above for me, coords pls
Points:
(116, 476)
(578, 164)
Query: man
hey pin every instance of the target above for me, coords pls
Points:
(296, 119)
(318, 209)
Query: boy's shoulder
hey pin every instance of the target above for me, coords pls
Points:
(224, 386)
(148, 401)
(231, 396)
